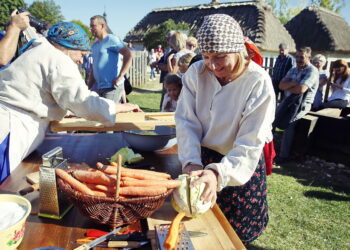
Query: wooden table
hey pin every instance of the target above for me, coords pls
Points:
(78, 148)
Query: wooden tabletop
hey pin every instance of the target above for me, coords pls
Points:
(77, 148)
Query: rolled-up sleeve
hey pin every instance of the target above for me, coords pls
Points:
(71, 93)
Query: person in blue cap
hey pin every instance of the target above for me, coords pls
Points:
(40, 86)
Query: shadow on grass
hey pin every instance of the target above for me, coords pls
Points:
(316, 177)
(137, 90)
(325, 196)
(253, 247)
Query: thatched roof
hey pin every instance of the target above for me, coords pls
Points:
(255, 18)
(320, 29)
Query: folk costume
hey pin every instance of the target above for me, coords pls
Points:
(225, 127)
(41, 86)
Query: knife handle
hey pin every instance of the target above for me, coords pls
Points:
(130, 244)
(30, 189)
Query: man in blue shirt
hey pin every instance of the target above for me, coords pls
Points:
(284, 62)
(300, 80)
(108, 66)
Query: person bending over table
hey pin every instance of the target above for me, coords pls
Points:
(41, 86)
(223, 119)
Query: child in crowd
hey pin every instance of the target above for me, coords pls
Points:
(184, 62)
(173, 85)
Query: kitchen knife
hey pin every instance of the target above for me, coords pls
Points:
(29, 189)
(97, 241)
(126, 244)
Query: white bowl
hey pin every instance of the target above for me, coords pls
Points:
(164, 137)
(12, 236)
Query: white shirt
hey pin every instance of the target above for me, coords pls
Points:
(342, 94)
(167, 100)
(46, 82)
(38, 87)
(234, 120)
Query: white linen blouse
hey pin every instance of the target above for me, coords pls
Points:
(234, 120)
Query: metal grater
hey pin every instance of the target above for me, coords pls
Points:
(184, 242)
(53, 203)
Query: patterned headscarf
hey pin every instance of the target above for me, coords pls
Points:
(220, 33)
(69, 35)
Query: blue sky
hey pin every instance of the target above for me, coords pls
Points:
(123, 15)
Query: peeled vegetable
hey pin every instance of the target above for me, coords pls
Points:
(127, 156)
(187, 200)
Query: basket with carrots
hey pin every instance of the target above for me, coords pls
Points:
(114, 195)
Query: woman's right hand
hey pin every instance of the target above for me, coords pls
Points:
(127, 107)
(210, 179)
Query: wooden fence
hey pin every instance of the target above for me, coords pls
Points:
(137, 71)
(268, 64)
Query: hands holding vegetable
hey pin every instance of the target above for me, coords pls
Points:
(208, 177)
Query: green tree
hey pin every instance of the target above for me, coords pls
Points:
(157, 35)
(85, 27)
(46, 11)
(333, 5)
(283, 11)
(6, 8)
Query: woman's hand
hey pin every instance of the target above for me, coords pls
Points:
(210, 179)
(127, 107)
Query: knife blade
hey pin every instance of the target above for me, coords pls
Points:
(194, 234)
(97, 241)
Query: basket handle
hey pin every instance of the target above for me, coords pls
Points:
(119, 170)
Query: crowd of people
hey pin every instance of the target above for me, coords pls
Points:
(224, 101)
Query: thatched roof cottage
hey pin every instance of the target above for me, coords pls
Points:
(255, 17)
(324, 31)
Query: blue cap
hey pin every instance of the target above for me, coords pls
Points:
(69, 35)
(2, 34)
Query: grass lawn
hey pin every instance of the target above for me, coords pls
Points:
(305, 211)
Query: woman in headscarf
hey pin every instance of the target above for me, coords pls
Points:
(41, 86)
(223, 119)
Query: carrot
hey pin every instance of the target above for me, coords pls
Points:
(114, 164)
(141, 175)
(100, 187)
(146, 183)
(173, 234)
(160, 174)
(106, 168)
(101, 193)
(125, 178)
(94, 177)
(142, 191)
(77, 185)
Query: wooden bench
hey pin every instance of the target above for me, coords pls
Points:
(324, 133)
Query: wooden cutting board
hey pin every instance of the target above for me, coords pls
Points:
(220, 233)
(124, 121)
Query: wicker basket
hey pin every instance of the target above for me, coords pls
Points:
(111, 211)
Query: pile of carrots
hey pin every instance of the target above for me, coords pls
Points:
(103, 181)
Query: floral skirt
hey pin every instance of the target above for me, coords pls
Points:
(245, 207)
